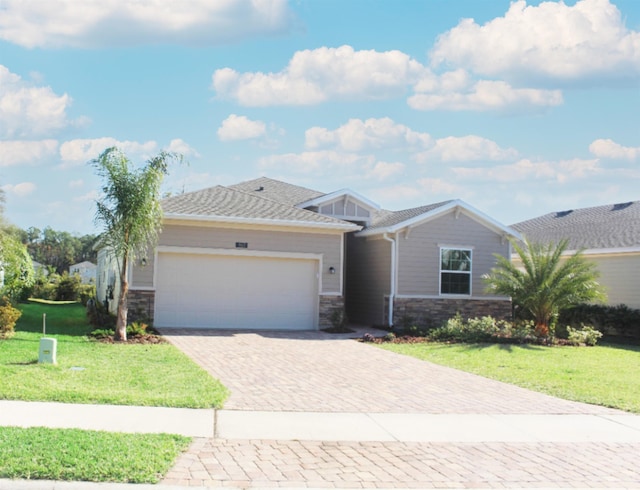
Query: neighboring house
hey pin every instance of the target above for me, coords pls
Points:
(272, 255)
(86, 270)
(37, 267)
(609, 236)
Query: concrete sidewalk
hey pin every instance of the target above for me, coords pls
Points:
(325, 426)
(261, 449)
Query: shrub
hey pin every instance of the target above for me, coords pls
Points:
(473, 330)
(102, 333)
(367, 337)
(485, 329)
(587, 335)
(99, 316)
(390, 337)
(611, 320)
(68, 286)
(137, 328)
(8, 318)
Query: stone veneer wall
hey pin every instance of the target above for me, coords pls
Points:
(328, 304)
(141, 305)
(433, 312)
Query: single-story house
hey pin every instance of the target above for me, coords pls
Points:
(272, 255)
(86, 270)
(608, 235)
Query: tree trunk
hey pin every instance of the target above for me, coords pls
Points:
(123, 307)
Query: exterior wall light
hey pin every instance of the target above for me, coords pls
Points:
(332, 270)
(143, 261)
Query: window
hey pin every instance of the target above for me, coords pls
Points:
(455, 271)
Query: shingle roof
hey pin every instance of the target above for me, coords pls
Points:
(386, 219)
(226, 202)
(600, 227)
(277, 190)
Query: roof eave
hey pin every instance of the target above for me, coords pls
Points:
(262, 221)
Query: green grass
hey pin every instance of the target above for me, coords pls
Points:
(120, 374)
(607, 375)
(72, 454)
(62, 317)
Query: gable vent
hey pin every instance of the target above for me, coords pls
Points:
(562, 214)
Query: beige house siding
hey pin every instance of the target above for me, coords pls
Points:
(368, 279)
(329, 245)
(419, 253)
(620, 274)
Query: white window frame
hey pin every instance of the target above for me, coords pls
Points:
(469, 273)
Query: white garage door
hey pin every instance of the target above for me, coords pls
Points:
(221, 291)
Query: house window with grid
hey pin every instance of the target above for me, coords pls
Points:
(455, 271)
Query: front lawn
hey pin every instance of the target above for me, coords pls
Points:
(607, 375)
(93, 372)
(71, 454)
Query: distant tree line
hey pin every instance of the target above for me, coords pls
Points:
(57, 250)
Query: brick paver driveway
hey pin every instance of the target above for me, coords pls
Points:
(320, 372)
(314, 371)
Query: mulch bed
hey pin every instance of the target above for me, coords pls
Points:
(135, 339)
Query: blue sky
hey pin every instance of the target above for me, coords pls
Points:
(518, 108)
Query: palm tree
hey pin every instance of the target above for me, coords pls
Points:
(547, 282)
(130, 213)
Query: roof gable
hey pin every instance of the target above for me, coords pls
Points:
(393, 222)
(344, 204)
(601, 227)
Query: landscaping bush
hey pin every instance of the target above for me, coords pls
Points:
(619, 320)
(8, 318)
(99, 316)
(67, 289)
(485, 329)
(587, 335)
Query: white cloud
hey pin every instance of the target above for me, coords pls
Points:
(80, 151)
(28, 110)
(552, 41)
(438, 186)
(383, 170)
(21, 190)
(465, 149)
(606, 148)
(92, 23)
(357, 135)
(182, 148)
(236, 127)
(90, 196)
(315, 162)
(484, 95)
(523, 170)
(396, 193)
(73, 184)
(314, 76)
(18, 152)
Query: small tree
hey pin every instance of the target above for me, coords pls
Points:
(547, 283)
(17, 268)
(130, 213)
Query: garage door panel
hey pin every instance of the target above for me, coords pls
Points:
(214, 291)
